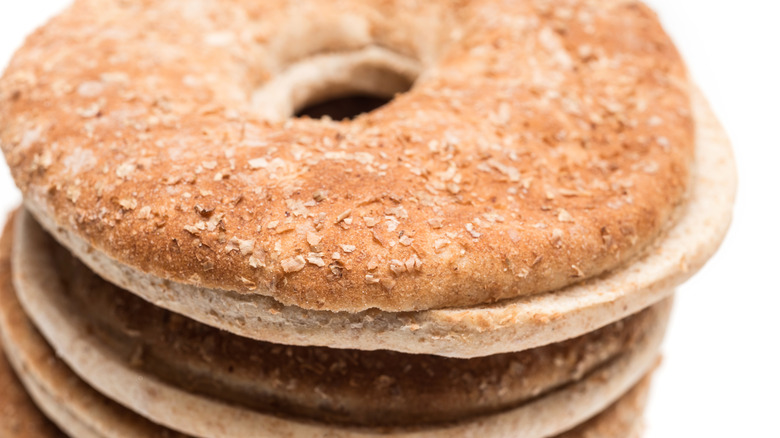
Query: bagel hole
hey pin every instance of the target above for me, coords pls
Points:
(337, 86)
(343, 108)
(362, 89)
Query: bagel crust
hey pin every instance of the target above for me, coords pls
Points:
(541, 143)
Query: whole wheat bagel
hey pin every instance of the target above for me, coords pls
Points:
(507, 326)
(541, 143)
(69, 304)
(117, 399)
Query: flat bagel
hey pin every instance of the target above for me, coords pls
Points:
(51, 382)
(541, 144)
(47, 390)
(511, 325)
(88, 356)
(337, 386)
(19, 417)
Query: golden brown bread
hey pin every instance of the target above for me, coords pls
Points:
(535, 148)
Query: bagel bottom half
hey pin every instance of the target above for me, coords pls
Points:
(19, 417)
(83, 412)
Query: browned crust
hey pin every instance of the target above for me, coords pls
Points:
(19, 417)
(543, 174)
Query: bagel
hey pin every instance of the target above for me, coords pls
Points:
(19, 418)
(352, 218)
(534, 149)
(89, 415)
(83, 412)
(71, 305)
(511, 325)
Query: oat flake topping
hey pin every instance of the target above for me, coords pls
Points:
(543, 142)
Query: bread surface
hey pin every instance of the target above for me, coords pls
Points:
(506, 326)
(542, 143)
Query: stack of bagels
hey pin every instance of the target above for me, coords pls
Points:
(491, 253)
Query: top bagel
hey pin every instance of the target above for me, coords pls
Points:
(541, 143)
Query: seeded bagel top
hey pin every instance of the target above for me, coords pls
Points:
(540, 143)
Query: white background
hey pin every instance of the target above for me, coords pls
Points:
(722, 359)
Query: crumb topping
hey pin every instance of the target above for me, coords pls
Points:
(544, 143)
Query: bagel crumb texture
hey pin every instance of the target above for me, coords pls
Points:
(543, 142)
